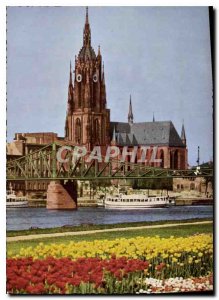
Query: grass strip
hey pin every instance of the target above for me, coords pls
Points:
(85, 227)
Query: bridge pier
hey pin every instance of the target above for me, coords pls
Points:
(62, 195)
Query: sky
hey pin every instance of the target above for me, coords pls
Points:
(159, 55)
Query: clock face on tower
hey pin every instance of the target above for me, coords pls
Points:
(95, 78)
(79, 78)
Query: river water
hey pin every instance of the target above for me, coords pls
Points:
(25, 218)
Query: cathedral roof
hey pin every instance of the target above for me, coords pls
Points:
(87, 53)
(146, 133)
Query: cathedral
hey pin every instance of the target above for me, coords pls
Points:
(88, 118)
(88, 122)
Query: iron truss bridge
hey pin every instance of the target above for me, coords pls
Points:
(43, 165)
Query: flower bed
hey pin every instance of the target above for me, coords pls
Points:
(168, 257)
(92, 276)
(136, 265)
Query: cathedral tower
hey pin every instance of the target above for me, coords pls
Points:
(87, 118)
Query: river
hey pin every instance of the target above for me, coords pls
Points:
(25, 218)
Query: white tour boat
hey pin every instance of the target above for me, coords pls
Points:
(121, 201)
(14, 201)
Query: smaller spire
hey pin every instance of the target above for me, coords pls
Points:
(130, 114)
(70, 77)
(99, 50)
(153, 117)
(183, 134)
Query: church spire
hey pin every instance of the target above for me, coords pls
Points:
(130, 114)
(183, 134)
(87, 21)
(87, 32)
(70, 93)
(70, 77)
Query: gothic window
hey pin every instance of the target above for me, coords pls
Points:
(174, 159)
(162, 158)
(97, 131)
(78, 131)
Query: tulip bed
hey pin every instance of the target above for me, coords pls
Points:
(64, 276)
(114, 266)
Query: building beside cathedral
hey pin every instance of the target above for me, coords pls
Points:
(88, 120)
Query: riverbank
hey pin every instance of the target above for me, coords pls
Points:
(87, 202)
(71, 233)
(89, 226)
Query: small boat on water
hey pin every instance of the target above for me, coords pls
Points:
(13, 201)
(121, 201)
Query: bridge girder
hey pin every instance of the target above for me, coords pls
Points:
(43, 165)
